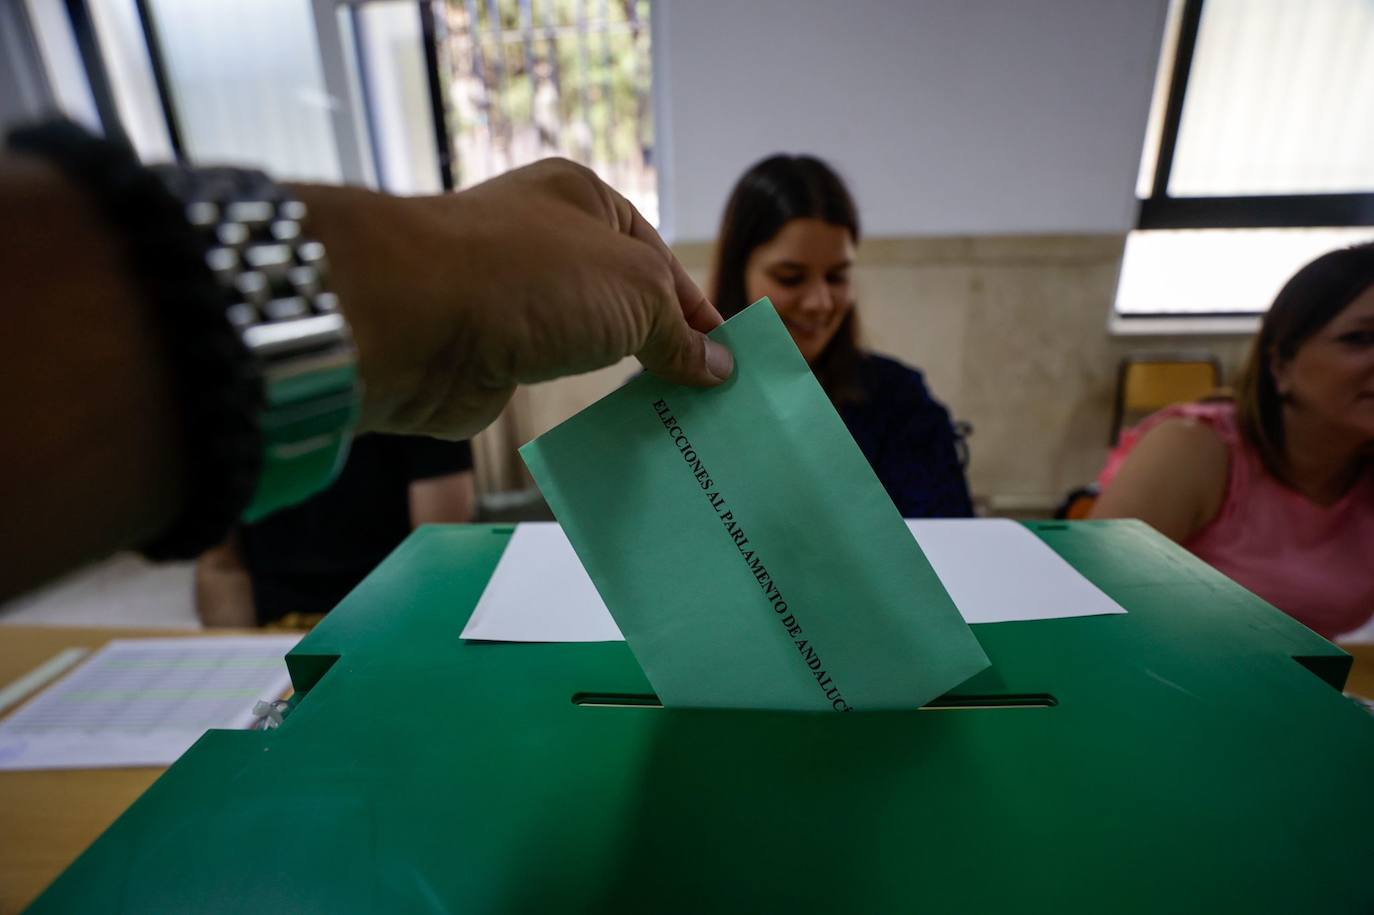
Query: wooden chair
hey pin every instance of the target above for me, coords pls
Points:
(1147, 382)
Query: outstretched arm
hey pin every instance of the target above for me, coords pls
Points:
(453, 301)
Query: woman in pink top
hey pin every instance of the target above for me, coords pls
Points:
(1276, 489)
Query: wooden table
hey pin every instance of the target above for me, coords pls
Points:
(48, 818)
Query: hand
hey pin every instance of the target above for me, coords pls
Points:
(543, 272)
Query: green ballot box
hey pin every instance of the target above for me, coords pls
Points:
(1193, 754)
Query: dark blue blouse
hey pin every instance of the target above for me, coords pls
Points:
(908, 439)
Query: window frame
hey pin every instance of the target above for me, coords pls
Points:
(340, 34)
(1160, 210)
(1254, 211)
(93, 63)
(355, 160)
(438, 110)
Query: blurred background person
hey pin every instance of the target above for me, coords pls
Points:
(297, 564)
(1276, 488)
(790, 232)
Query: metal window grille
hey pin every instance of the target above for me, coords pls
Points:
(521, 80)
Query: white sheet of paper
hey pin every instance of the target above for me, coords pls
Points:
(143, 702)
(539, 591)
(997, 571)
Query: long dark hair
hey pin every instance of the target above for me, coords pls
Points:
(1306, 303)
(769, 195)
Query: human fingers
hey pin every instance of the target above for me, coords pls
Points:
(580, 186)
(677, 348)
(677, 353)
(671, 349)
(696, 308)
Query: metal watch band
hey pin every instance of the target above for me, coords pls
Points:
(288, 320)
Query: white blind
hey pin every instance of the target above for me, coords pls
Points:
(247, 85)
(1280, 100)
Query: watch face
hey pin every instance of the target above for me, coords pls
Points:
(273, 279)
(257, 250)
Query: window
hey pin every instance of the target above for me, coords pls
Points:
(525, 80)
(215, 81)
(394, 54)
(1257, 155)
(413, 97)
(246, 85)
(116, 29)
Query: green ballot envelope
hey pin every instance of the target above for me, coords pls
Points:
(743, 544)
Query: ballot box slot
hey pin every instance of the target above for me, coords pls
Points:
(1332, 669)
(943, 704)
(966, 703)
(616, 700)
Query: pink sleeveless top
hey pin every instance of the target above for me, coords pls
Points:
(1316, 563)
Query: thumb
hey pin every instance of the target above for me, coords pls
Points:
(677, 353)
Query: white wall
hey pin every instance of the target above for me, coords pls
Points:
(948, 117)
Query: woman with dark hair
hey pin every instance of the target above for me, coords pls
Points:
(789, 233)
(1276, 489)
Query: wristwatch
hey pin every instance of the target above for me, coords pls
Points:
(265, 369)
(277, 300)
